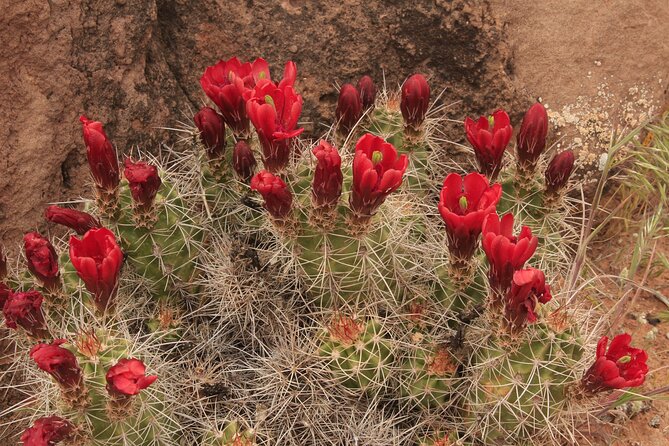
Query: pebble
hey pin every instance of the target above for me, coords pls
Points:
(655, 422)
(642, 319)
(652, 334)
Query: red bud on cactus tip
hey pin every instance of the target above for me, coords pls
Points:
(24, 309)
(48, 431)
(328, 178)
(59, 362)
(532, 136)
(415, 101)
(558, 172)
(212, 132)
(349, 108)
(277, 196)
(80, 221)
(42, 259)
(367, 90)
(144, 183)
(243, 161)
(101, 155)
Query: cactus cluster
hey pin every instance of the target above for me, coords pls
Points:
(355, 289)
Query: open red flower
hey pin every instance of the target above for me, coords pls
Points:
(212, 132)
(377, 172)
(489, 137)
(506, 252)
(349, 108)
(48, 431)
(463, 204)
(415, 100)
(42, 259)
(101, 155)
(328, 178)
(619, 367)
(274, 112)
(98, 259)
(275, 193)
(528, 288)
(79, 221)
(58, 362)
(367, 90)
(558, 172)
(24, 309)
(226, 83)
(532, 135)
(144, 182)
(128, 377)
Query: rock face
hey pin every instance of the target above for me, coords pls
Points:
(135, 65)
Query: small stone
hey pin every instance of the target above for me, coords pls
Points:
(652, 334)
(293, 49)
(655, 422)
(641, 319)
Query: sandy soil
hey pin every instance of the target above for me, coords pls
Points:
(134, 64)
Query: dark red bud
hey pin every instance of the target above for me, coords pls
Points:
(212, 132)
(243, 161)
(42, 259)
(144, 182)
(415, 100)
(367, 90)
(349, 108)
(532, 135)
(559, 170)
(277, 196)
(101, 155)
(80, 221)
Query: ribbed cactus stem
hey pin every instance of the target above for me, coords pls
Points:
(107, 202)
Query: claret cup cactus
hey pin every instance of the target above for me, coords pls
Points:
(256, 287)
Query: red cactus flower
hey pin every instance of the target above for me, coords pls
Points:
(48, 431)
(226, 83)
(377, 172)
(415, 100)
(463, 204)
(98, 259)
(80, 221)
(289, 75)
(243, 161)
(58, 362)
(42, 259)
(532, 135)
(367, 90)
(489, 137)
(274, 112)
(620, 367)
(128, 377)
(558, 172)
(277, 196)
(144, 182)
(328, 178)
(212, 132)
(528, 287)
(101, 155)
(506, 253)
(349, 108)
(24, 309)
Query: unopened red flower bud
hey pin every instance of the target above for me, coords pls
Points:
(619, 367)
(79, 221)
(559, 170)
(101, 155)
(144, 182)
(367, 90)
(212, 132)
(24, 309)
(128, 378)
(349, 108)
(532, 136)
(98, 260)
(48, 431)
(278, 198)
(415, 101)
(243, 161)
(42, 259)
(489, 137)
(328, 178)
(59, 362)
